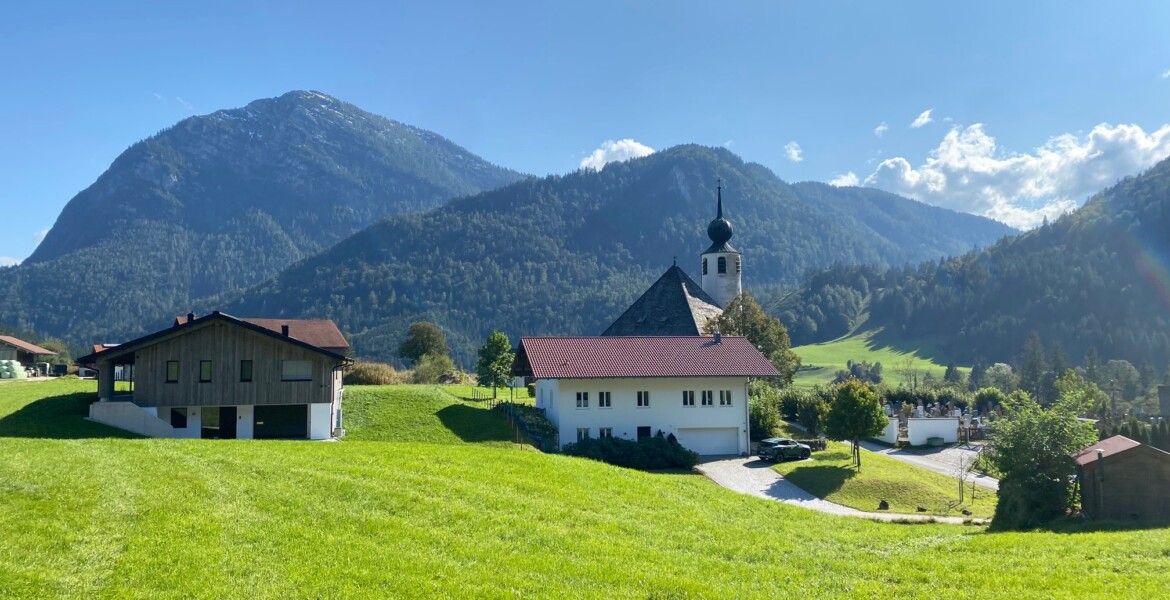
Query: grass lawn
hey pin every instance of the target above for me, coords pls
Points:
(828, 475)
(118, 518)
(470, 392)
(420, 413)
(822, 361)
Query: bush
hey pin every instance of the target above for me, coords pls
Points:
(810, 412)
(763, 418)
(434, 368)
(372, 373)
(647, 454)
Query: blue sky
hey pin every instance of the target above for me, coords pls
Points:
(1032, 106)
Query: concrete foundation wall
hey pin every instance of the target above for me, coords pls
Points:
(919, 430)
(889, 435)
(130, 417)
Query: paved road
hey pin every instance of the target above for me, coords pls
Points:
(940, 460)
(754, 477)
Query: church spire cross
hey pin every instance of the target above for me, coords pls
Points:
(719, 195)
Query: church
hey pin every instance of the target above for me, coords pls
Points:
(653, 369)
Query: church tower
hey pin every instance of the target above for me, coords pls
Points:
(722, 264)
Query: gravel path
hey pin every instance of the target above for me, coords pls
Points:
(754, 477)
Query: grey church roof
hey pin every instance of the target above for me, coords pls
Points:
(674, 305)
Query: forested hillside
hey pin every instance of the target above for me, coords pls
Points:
(567, 254)
(1096, 278)
(224, 201)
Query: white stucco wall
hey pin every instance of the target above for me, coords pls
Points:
(320, 421)
(666, 411)
(130, 417)
(889, 435)
(918, 430)
(722, 286)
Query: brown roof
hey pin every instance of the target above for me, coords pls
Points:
(642, 356)
(321, 333)
(23, 345)
(1114, 445)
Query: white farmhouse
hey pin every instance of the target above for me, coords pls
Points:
(694, 387)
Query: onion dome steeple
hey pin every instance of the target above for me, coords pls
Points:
(719, 230)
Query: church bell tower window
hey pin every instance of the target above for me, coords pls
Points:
(722, 264)
(737, 265)
(704, 266)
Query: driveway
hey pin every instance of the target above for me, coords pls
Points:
(755, 477)
(945, 460)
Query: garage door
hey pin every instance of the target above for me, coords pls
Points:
(710, 440)
(281, 421)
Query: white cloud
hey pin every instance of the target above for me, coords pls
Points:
(1166, 74)
(159, 97)
(967, 171)
(187, 105)
(728, 144)
(793, 152)
(611, 151)
(39, 236)
(848, 179)
(8, 261)
(880, 129)
(922, 119)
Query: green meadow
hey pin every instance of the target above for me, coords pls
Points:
(434, 506)
(820, 362)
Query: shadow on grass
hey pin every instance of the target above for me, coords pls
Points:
(475, 424)
(58, 417)
(923, 348)
(1075, 525)
(820, 481)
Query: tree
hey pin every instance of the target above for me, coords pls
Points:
(1031, 450)
(975, 379)
(1033, 366)
(854, 414)
(1000, 377)
(421, 339)
(63, 357)
(495, 360)
(743, 316)
(1092, 366)
(1085, 393)
(952, 375)
(433, 368)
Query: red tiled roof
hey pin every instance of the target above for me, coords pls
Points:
(23, 345)
(321, 333)
(643, 356)
(1114, 445)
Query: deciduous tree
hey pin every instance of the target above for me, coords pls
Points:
(495, 360)
(743, 316)
(855, 414)
(421, 339)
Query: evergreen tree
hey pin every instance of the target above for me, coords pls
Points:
(952, 374)
(975, 378)
(1092, 366)
(1032, 366)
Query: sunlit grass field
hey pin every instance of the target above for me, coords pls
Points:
(828, 475)
(820, 362)
(405, 513)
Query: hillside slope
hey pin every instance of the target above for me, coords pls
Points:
(1096, 278)
(223, 201)
(567, 254)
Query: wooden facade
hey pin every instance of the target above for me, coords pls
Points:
(225, 344)
(1130, 485)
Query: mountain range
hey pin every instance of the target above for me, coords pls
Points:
(304, 205)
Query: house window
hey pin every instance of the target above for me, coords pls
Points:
(722, 264)
(582, 399)
(582, 434)
(704, 266)
(172, 371)
(643, 432)
(689, 398)
(708, 398)
(296, 370)
(605, 432)
(724, 397)
(204, 371)
(737, 265)
(603, 400)
(179, 418)
(643, 399)
(245, 371)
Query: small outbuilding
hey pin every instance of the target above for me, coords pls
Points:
(23, 352)
(1124, 480)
